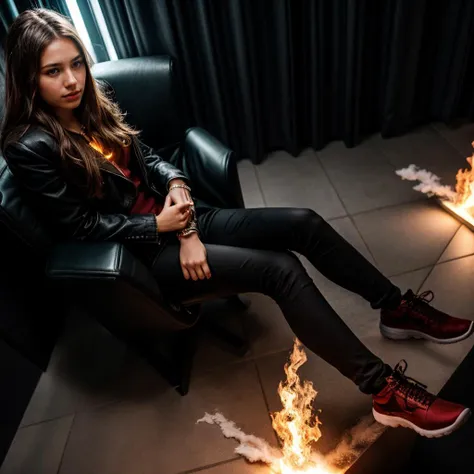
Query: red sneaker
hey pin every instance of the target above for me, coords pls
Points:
(405, 402)
(415, 318)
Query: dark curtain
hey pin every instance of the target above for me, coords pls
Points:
(10, 8)
(287, 74)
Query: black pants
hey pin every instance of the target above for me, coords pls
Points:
(248, 250)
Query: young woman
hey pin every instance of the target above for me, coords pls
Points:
(89, 177)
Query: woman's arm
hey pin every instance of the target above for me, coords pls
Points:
(160, 172)
(36, 166)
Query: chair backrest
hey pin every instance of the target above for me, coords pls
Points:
(148, 91)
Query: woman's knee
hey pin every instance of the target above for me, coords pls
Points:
(287, 274)
(307, 217)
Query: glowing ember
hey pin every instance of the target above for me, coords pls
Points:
(463, 214)
(296, 424)
(284, 469)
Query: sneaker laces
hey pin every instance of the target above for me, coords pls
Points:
(422, 301)
(411, 389)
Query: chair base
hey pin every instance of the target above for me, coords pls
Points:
(237, 344)
(173, 357)
(174, 361)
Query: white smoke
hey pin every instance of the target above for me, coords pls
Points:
(429, 183)
(251, 447)
(354, 442)
(254, 449)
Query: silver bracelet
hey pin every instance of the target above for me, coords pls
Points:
(187, 231)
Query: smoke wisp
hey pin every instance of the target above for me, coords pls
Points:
(353, 443)
(253, 448)
(428, 184)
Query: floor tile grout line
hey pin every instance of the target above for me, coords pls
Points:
(209, 466)
(448, 142)
(422, 198)
(87, 410)
(395, 275)
(449, 243)
(65, 444)
(431, 266)
(47, 420)
(426, 126)
(348, 214)
(427, 276)
(255, 171)
(265, 398)
(454, 259)
(320, 162)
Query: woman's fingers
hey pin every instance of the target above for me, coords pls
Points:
(200, 273)
(182, 207)
(206, 270)
(193, 273)
(186, 274)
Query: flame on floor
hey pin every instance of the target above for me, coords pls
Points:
(462, 213)
(296, 424)
(459, 202)
(298, 428)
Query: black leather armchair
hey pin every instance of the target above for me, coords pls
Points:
(104, 277)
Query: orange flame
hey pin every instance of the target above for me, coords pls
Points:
(97, 146)
(465, 185)
(296, 424)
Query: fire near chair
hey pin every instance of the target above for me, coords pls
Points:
(104, 278)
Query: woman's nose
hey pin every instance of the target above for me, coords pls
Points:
(70, 79)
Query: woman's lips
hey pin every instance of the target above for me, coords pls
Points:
(73, 96)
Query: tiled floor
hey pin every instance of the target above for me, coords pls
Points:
(101, 410)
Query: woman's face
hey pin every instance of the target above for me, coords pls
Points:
(62, 72)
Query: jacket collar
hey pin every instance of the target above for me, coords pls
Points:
(136, 153)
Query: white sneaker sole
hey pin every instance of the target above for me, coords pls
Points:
(402, 334)
(394, 422)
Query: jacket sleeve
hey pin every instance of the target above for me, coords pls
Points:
(160, 172)
(63, 207)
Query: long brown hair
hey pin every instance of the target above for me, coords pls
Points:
(28, 36)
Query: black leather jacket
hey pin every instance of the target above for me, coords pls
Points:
(64, 206)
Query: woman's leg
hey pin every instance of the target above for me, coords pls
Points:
(305, 232)
(397, 400)
(281, 276)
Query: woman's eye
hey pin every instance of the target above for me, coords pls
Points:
(52, 72)
(77, 63)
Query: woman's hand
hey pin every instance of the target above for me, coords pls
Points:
(179, 195)
(173, 217)
(193, 258)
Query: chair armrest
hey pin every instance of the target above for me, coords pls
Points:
(212, 168)
(108, 278)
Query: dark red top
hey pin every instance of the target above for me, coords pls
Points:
(144, 204)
